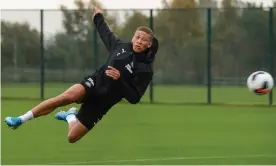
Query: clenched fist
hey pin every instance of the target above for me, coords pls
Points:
(113, 73)
(96, 11)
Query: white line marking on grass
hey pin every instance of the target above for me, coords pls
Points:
(168, 159)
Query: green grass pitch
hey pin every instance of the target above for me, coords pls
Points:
(148, 134)
(168, 94)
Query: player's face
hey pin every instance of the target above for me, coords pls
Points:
(141, 41)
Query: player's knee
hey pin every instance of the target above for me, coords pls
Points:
(76, 132)
(72, 138)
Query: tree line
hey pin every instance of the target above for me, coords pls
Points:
(239, 35)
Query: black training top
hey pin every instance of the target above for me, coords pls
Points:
(136, 69)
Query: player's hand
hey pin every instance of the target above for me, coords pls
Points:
(113, 73)
(96, 11)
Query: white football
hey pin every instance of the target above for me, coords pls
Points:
(260, 82)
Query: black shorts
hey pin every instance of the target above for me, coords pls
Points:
(92, 109)
(89, 84)
(90, 114)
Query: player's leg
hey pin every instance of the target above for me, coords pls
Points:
(85, 120)
(73, 94)
(82, 121)
(76, 129)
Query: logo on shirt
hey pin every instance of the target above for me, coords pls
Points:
(119, 53)
(129, 67)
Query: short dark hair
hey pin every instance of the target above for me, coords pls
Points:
(146, 30)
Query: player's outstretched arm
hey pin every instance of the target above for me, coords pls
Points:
(107, 36)
(134, 91)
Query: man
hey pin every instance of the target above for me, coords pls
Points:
(126, 74)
